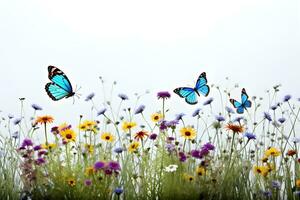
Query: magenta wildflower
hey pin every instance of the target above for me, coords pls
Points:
(153, 136)
(27, 142)
(182, 157)
(40, 161)
(113, 165)
(99, 165)
(87, 182)
(163, 95)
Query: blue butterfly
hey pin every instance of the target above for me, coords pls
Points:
(60, 87)
(190, 93)
(240, 107)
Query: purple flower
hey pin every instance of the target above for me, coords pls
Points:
(238, 119)
(267, 116)
(229, 110)
(87, 182)
(40, 161)
(196, 154)
(179, 116)
(196, 112)
(209, 146)
(99, 165)
(123, 97)
(153, 136)
(208, 101)
(37, 147)
(36, 107)
(90, 96)
(287, 97)
(163, 95)
(27, 142)
(170, 147)
(101, 112)
(17, 121)
(118, 191)
(113, 165)
(281, 120)
(267, 193)
(163, 125)
(220, 118)
(54, 130)
(204, 151)
(139, 110)
(182, 157)
(172, 123)
(250, 136)
(274, 107)
(276, 184)
(118, 150)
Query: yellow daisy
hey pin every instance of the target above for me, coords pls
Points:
(68, 135)
(49, 146)
(127, 126)
(71, 182)
(156, 117)
(188, 132)
(298, 183)
(200, 171)
(108, 137)
(188, 177)
(89, 171)
(262, 170)
(272, 152)
(89, 148)
(133, 146)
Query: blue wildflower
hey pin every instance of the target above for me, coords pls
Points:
(208, 101)
(196, 112)
(250, 136)
(267, 116)
(118, 191)
(281, 120)
(287, 97)
(179, 116)
(101, 112)
(118, 150)
(123, 97)
(238, 119)
(220, 118)
(17, 121)
(229, 110)
(90, 96)
(10, 116)
(36, 107)
(276, 184)
(139, 110)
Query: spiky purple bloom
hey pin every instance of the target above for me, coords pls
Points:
(27, 142)
(36, 107)
(250, 136)
(163, 95)
(204, 151)
(196, 154)
(287, 97)
(267, 116)
(87, 182)
(229, 110)
(101, 112)
(90, 96)
(209, 146)
(99, 165)
(179, 116)
(153, 136)
(37, 147)
(196, 112)
(113, 165)
(123, 96)
(118, 150)
(220, 118)
(281, 120)
(208, 101)
(118, 191)
(182, 157)
(40, 161)
(17, 121)
(139, 110)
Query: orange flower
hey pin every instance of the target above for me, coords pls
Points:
(140, 135)
(291, 152)
(44, 119)
(235, 128)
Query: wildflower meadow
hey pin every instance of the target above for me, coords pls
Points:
(124, 150)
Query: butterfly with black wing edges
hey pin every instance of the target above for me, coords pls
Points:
(190, 93)
(60, 87)
(240, 107)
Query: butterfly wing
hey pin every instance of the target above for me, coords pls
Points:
(60, 86)
(201, 84)
(239, 107)
(55, 92)
(188, 93)
(246, 103)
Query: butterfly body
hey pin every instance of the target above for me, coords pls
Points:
(244, 104)
(60, 87)
(190, 94)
